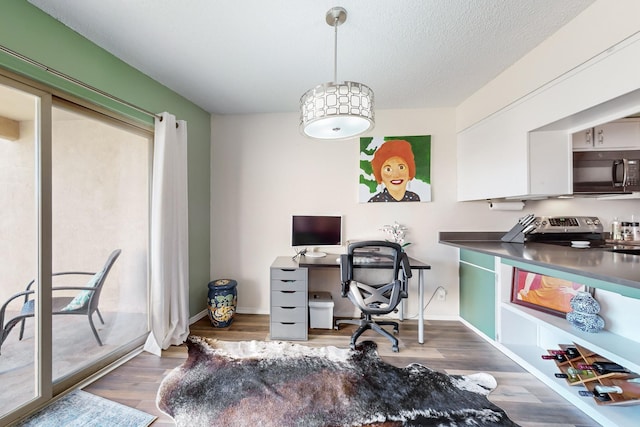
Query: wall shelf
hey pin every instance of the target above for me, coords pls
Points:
(614, 347)
(528, 356)
(525, 334)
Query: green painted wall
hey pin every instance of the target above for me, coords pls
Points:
(30, 32)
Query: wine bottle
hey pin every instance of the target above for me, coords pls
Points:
(573, 373)
(569, 353)
(601, 396)
(608, 389)
(605, 368)
(557, 357)
(572, 352)
(630, 389)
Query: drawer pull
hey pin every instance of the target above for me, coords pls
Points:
(288, 308)
(288, 292)
(287, 269)
(287, 323)
(287, 280)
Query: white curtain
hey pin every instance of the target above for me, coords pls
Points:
(169, 236)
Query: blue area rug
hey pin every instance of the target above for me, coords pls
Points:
(82, 409)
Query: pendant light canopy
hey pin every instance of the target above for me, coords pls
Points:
(336, 110)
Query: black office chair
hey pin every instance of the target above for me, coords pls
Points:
(374, 277)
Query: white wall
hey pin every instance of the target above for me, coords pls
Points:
(263, 171)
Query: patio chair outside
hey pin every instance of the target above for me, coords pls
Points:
(84, 303)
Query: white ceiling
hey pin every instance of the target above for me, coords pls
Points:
(260, 56)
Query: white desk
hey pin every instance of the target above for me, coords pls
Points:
(286, 264)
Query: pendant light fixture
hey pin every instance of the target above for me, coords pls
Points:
(336, 110)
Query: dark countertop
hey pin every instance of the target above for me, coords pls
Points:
(595, 263)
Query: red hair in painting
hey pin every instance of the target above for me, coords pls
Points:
(393, 148)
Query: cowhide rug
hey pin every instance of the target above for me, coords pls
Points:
(283, 384)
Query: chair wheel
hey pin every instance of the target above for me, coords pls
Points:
(395, 349)
(395, 331)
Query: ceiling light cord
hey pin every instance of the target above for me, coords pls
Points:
(335, 50)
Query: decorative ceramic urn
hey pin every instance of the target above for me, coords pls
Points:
(222, 301)
(584, 313)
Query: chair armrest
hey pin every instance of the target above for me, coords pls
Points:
(73, 288)
(346, 269)
(406, 274)
(346, 272)
(63, 273)
(6, 304)
(406, 267)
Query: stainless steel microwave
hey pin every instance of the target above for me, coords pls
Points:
(606, 172)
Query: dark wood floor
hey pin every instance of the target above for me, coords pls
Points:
(449, 347)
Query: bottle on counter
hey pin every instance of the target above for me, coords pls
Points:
(635, 231)
(625, 230)
(616, 229)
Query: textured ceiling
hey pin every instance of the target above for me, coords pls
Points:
(259, 56)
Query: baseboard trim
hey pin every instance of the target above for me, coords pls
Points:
(250, 310)
(198, 316)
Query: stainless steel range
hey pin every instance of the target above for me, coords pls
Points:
(566, 229)
(557, 229)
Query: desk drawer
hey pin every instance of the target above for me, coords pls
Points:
(288, 314)
(289, 331)
(289, 274)
(288, 285)
(289, 299)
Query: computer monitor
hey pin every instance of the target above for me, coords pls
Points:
(316, 230)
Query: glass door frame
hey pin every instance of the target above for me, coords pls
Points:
(43, 342)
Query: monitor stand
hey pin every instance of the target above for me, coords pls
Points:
(314, 254)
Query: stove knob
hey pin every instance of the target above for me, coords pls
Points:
(596, 222)
(589, 222)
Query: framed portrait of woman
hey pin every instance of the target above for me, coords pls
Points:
(395, 169)
(544, 293)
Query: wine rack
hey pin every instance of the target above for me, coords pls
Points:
(575, 367)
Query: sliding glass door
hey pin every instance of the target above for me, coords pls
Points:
(100, 205)
(74, 194)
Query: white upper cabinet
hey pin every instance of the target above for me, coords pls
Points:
(500, 159)
(623, 134)
(524, 150)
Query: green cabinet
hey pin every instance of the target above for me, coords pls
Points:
(478, 291)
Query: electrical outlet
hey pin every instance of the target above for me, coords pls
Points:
(441, 294)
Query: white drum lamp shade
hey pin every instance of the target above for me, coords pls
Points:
(337, 110)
